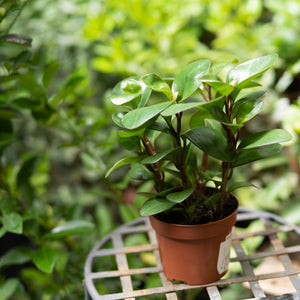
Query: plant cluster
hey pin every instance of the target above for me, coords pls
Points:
(167, 122)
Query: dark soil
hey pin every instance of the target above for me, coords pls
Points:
(203, 214)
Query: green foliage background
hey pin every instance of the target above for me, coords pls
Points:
(58, 62)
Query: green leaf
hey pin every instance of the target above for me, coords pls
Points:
(265, 138)
(8, 288)
(238, 185)
(45, 259)
(49, 73)
(122, 99)
(157, 157)
(139, 172)
(245, 109)
(219, 115)
(15, 256)
(9, 113)
(13, 222)
(245, 72)
(157, 84)
(179, 107)
(222, 87)
(210, 141)
(130, 86)
(155, 206)
(118, 118)
(122, 162)
(178, 197)
(213, 199)
(71, 227)
(246, 156)
(188, 80)
(138, 117)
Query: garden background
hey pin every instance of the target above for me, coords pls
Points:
(58, 62)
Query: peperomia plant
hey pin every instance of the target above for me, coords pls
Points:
(175, 126)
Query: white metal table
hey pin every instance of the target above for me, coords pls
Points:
(117, 265)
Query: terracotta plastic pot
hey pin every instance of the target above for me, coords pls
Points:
(195, 254)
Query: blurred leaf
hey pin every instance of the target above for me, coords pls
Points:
(238, 185)
(9, 113)
(49, 73)
(45, 259)
(15, 256)
(265, 138)
(70, 228)
(210, 141)
(8, 288)
(155, 205)
(13, 222)
(138, 117)
(178, 197)
(189, 78)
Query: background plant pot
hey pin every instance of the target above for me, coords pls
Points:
(195, 254)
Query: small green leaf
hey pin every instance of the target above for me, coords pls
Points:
(210, 141)
(178, 197)
(265, 138)
(139, 172)
(71, 227)
(222, 87)
(130, 86)
(213, 199)
(155, 206)
(45, 259)
(49, 73)
(8, 288)
(179, 107)
(246, 156)
(188, 80)
(9, 113)
(13, 222)
(122, 162)
(157, 157)
(245, 72)
(138, 117)
(123, 98)
(157, 84)
(118, 118)
(247, 109)
(219, 115)
(238, 185)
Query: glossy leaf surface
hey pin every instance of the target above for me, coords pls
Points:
(155, 206)
(188, 80)
(137, 117)
(157, 84)
(210, 141)
(178, 197)
(246, 156)
(265, 138)
(245, 72)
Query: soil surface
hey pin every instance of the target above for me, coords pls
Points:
(203, 214)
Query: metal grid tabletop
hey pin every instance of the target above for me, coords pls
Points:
(120, 264)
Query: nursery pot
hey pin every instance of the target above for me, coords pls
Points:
(195, 254)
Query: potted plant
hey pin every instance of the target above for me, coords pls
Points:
(177, 129)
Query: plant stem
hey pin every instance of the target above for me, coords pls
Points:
(155, 167)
